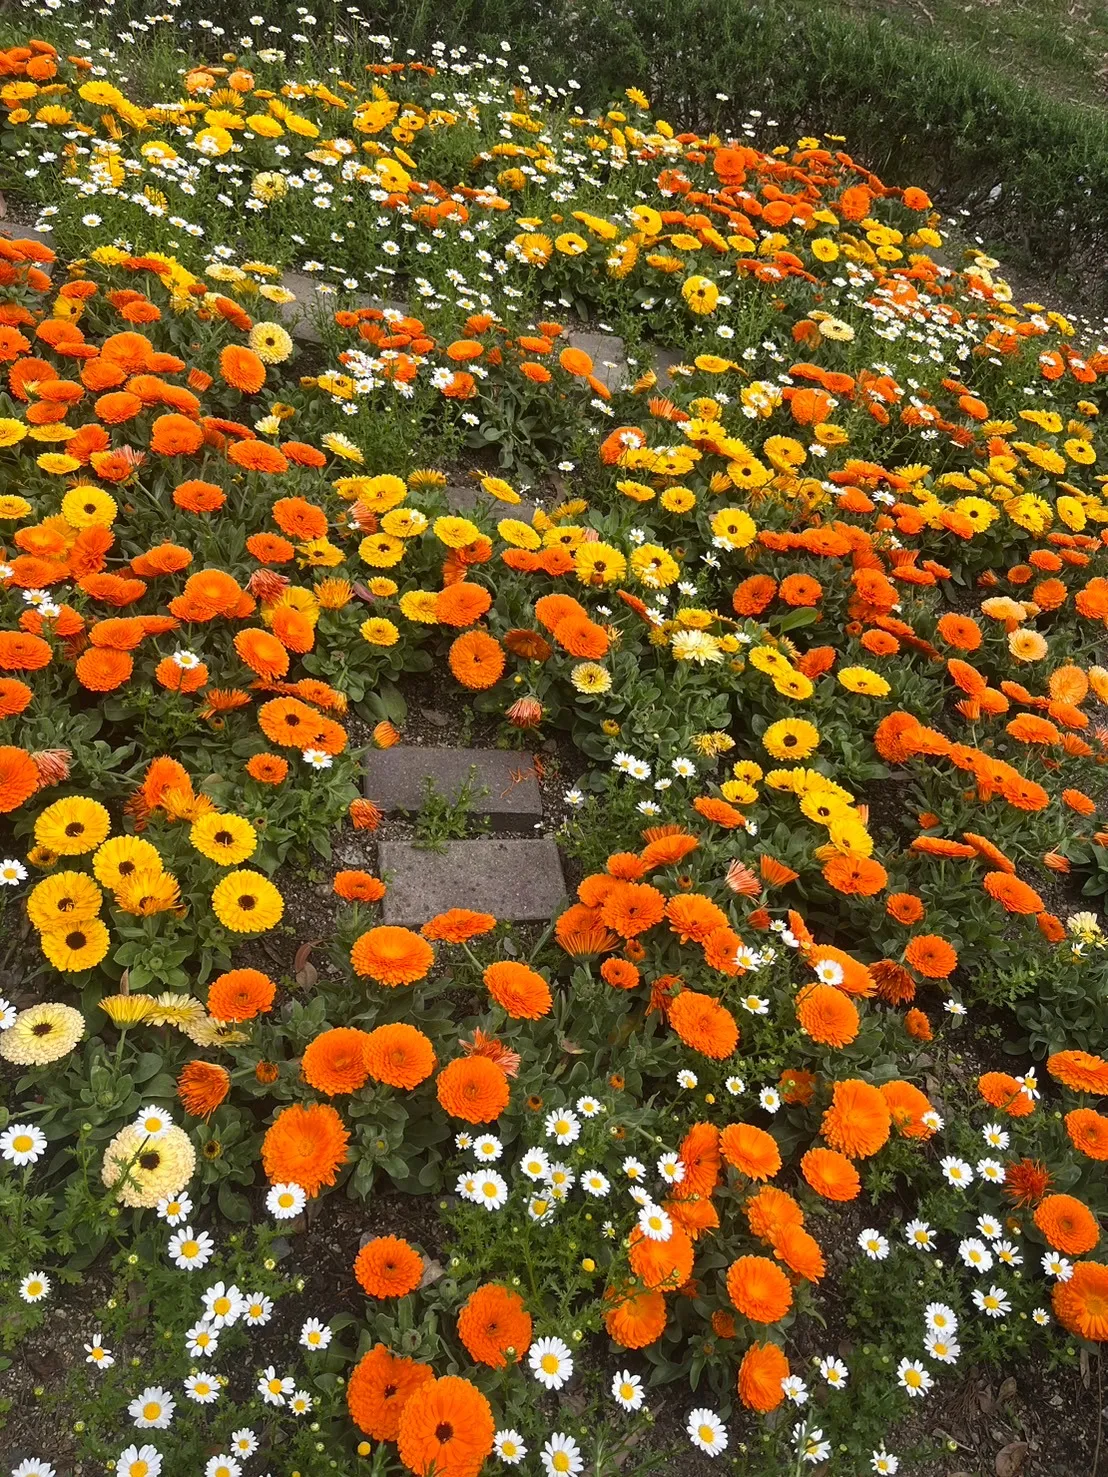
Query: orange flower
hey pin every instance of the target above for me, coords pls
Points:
(175, 435)
(256, 456)
(391, 956)
(299, 518)
(1079, 1070)
(1000, 1090)
(801, 1253)
(262, 653)
(621, 974)
(305, 1146)
(198, 497)
(388, 1267)
(461, 604)
(335, 1061)
(771, 1212)
(1088, 1132)
(960, 631)
(667, 851)
(704, 1024)
(519, 991)
(830, 1174)
(635, 1318)
(100, 669)
(1013, 895)
(380, 1387)
(457, 925)
(202, 1086)
(662, 1265)
(759, 1289)
(1026, 1182)
(446, 1428)
(699, 1153)
(855, 876)
(1068, 1224)
(750, 1150)
(476, 660)
(242, 369)
(719, 812)
(240, 995)
(930, 955)
(1081, 1303)
(693, 916)
(358, 887)
(632, 908)
(398, 1055)
(907, 1105)
(917, 1025)
(495, 1326)
(857, 1122)
(14, 697)
(473, 1088)
(905, 907)
(267, 769)
(827, 1015)
(761, 1372)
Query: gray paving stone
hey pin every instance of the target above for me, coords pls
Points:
(665, 360)
(607, 353)
(470, 497)
(518, 880)
(505, 786)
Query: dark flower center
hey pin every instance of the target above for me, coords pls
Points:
(150, 1160)
(246, 902)
(75, 828)
(43, 1028)
(223, 838)
(444, 1432)
(75, 940)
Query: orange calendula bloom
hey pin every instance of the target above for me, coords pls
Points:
(388, 1267)
(202, 1086)
(305, 1146)
(391, 956)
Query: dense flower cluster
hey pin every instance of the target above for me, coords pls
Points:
(819, 612)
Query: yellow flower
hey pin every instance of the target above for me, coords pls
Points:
(247, 902)
(598, 564)
(380, 632)
(146, 893)
(271, 342)
(791, 738)
(590, 677)
(736, 527)
(420, 605)
(11, 431)
(503, 491)
(121, 857)
(790, 683)
(980, 513)
(85, 506)
(1027, 646)
(44, 1033)
(696, 646)
(72, 826)
(769, 659)
(382, 587)
(823, 249)
(863, 681)
(13, 508)
(226, 839)
(519, 534)
(701, 294)
(455, 533)
(569, 243)
(1079, 450)
(678, 500)
(654, 567)
(143, 1170)
(533, 247)
(381, 551)
(101, 94)
(63, 898)
(746, 473)
(404, 522)
(57, 463)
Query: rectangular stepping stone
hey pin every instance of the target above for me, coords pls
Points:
(464, 497)
(665, 360)
(518, 880)
(607, 354)
(505, 789)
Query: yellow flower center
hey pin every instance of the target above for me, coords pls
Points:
(221, 1306)
(550, 1364)
(22, 1142)
(151, 1410)
(189, 1248)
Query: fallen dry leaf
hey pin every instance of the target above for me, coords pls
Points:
(1010, 1459)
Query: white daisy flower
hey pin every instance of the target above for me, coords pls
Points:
(627, 1390)
(834, 1371)
(875, 1246)
(22, 1143)
(202, 1388)
(34, 1287)
(95, 1353)
(138, 1461)
(285, 1201)
(707, 1432)
(550, 1362)
(913, 1377)
(315, 1335)
(174, 1209)
(509, 1447)
(561, 1456)
(190, 1249)
(274, 1388)
(152, 1409)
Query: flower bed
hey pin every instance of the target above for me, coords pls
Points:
(820, 614)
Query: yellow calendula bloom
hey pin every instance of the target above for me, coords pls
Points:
(42, 1034)
(519, 534)
(378, 631)
(793, 684)
(455, 533)
(121, 857)
(591, 678)
(144, 1170)
(246, 902)
(791, 738)
(979, 512)
(502, 491)
(226, 839)
(678, 500)
(700, 293)
(72, 826)
(381, 551)
(11, 431)
(654, 567)
(420, 605)
(735, 526)
(598, 564)
(863, 681)
(404, 522)
(85, 506)
(13, 509)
